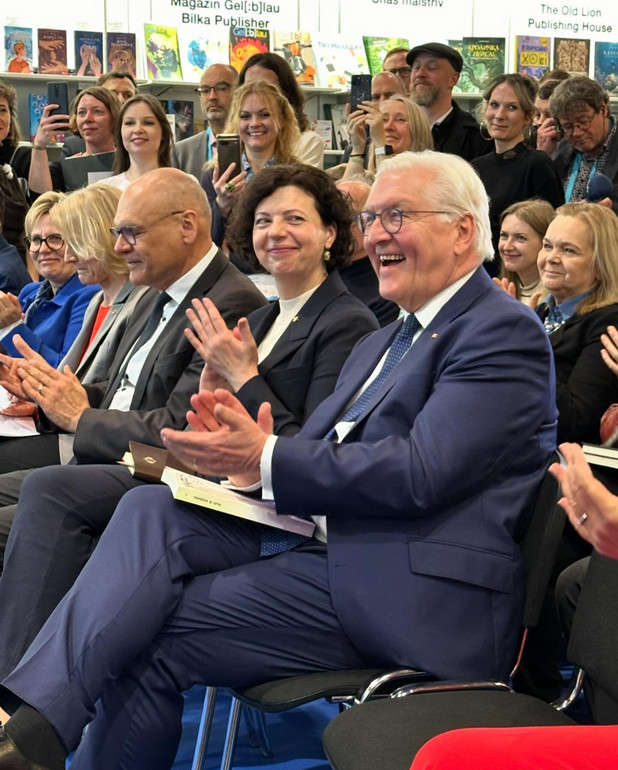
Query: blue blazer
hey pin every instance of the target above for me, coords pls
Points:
(427, 496)
(55, 323)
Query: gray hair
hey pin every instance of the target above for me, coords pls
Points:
(457, 189)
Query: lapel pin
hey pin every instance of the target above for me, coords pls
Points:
(434, 335)
(295, 319)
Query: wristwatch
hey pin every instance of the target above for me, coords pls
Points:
(386, 150)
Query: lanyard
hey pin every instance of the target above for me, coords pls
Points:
(573, 175)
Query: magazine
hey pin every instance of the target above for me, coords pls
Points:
(296, 48)
(245, 42)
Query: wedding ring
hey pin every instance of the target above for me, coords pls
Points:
(41, 388)
(582, 520)
(229, 187)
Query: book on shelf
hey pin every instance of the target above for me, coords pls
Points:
(245, 42)
(153, 464)
(338, 59)
(197, 53)
(120, 47)
(458, 46)
(52, 47)
(572, 55)
(337, 115)
(296, 48)
(532, 55)
(483, 59)
(324, 129)
(606, 66)
(18, 49)
(376, 49)
(36, 102)
(88, 53)
(162, 54)
(601, 455)
(182, 110)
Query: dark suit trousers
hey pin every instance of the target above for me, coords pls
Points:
(173, 596)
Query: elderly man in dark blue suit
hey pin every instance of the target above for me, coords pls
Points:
(419, 471)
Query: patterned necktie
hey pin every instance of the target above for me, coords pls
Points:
(401, 345)
(553, 319)
(276, 541)
(44, 293)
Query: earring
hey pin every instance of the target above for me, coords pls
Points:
(326, 255)
(486, 136)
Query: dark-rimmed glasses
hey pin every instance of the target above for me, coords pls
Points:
(54, 242)
(218, 88)
(583, 124)
(130, 232)
(403, 72)
(391, 219)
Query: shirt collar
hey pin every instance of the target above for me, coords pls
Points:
(179, 289)
(430, 310)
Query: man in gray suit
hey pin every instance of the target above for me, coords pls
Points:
(163, 229)
(216, 89)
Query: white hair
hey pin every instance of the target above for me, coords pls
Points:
(457, 189)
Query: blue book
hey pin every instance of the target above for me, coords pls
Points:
(88, 53)
(606, 66)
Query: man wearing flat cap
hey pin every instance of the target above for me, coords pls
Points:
(435, 72)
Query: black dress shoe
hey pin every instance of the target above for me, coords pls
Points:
(11, 757)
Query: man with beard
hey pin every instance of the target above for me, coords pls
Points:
(216, 89)
(435, 72)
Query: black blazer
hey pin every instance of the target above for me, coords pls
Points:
(302, 368)
(585, 387)
(170, 374)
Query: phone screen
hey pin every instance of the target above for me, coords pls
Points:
(228, 152)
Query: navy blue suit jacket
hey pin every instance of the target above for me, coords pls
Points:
(428, 494)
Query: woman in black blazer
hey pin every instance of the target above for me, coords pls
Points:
(292, 222)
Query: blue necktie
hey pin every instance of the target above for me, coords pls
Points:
(276, 541)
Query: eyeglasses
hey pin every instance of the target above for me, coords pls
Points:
(130, 232)
(54, 242)
(391, 219)
(403, 72)
(219, 88)
(580, 125)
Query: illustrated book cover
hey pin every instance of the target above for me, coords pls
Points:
(297, 49)
(121, 52)
(198, 52)
(88, 53)
(483, 59)
(36, 102)
(162, 54)
(18, 49)
(245, 42)
(52, 46)
(183, 111)
(606, 66)
(376, 49)
(338, 59)
(532, 55)
(572, 55)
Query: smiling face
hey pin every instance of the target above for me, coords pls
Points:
(396, 126)
(89, 271)
(505, 117)
(257, 127)
(565, 259)
(289, 239)
(427, 254)
(141, 132)
(5, 118)
(50, 264)
(519, 247)
(433, 78)
(94, 123)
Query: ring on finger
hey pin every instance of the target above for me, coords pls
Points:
(229, 187)
(582, 520)
(41, 387)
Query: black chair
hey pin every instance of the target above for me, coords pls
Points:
(352, 688)
(390, 732)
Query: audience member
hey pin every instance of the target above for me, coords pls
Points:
(94, 114)
(216, 89)
(262, 117)
(395, 62)
(274, 68)
(581, 136)
(143, 140)
(358, 603)
(13, 171)
(435, 72)
(359, 276)
(13, 272)
(47, 314)
(395, 125)
(522, 227)
(513, 172)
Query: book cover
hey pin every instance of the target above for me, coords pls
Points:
(162, 54)
(297, 49)
(338, 59)
(376, 49)
(324, 129)
(193, 489)
(52, 45)
(18, 49)
(337, 115)
(572, 55)
(483, 60)
(601, 455)
(458, 46)
(245, 42)
(88, 53)
(36, 102)
(121, 52)
(197, 52)
(606, 66)
(532, 55)
(182, 110)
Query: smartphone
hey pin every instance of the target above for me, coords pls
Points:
(228, 152)
(58, 93)
(360, 90)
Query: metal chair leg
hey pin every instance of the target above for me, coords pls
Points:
(231, 734)
(201, 744)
